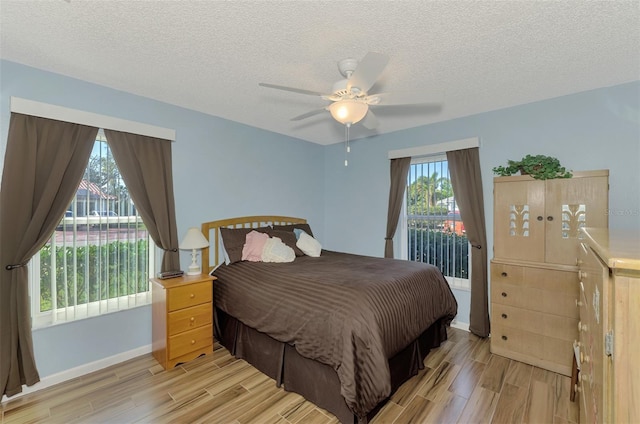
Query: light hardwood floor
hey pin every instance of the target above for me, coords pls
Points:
(462, 382)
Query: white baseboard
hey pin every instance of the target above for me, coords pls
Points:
(460, 325)
(81, 370)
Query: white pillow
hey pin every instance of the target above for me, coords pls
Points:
(276, 251)
(309, 245)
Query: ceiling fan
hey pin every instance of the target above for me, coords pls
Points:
(350, 98)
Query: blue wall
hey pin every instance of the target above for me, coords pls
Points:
(224, 169)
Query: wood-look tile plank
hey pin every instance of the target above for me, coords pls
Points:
(417, 411)
(563, 407)
(467, 379)
(437, 355)
(315, 417)
(269, 407)
(539, 407)
(511, 405)
(446, 410)
(495, 373)
(480, 406)
(482, 351)
(439, 381)
(519, 374)
(388, 414)
(296, 411)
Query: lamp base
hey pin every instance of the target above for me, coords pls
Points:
(194, 271)
(194, 268)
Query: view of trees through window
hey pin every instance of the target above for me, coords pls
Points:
(436, 233)
(98, 258)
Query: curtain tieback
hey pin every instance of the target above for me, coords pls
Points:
(170, 250)
(11, 267)
(388, 238)
(477, 246)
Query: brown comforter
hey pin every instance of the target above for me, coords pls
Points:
(348, 311)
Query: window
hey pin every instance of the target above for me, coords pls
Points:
(435, 232)
(99, 258)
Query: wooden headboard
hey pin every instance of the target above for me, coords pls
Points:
(212, 234)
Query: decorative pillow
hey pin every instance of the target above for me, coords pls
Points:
(252, 250)
(287, 238)
(309, 245)
(276, 251)
(233, 240)
(305, 227)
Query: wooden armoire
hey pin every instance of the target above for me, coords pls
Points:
(534, 273)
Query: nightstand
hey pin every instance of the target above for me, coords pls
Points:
(182, 318)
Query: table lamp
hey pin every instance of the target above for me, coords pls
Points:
(193, 240)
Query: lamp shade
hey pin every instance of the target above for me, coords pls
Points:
(348, 111)
(193, 240)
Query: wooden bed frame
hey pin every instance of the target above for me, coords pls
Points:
(315, 381)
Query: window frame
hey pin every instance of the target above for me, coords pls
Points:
(42, 319)
(458, 283)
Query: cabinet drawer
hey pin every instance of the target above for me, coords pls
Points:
(534, 299)
(510, 274)
(189, 318)
(190, 341)
(189, 295)
(550, 325)
(534, 346)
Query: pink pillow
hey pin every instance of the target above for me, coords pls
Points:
(253, 246)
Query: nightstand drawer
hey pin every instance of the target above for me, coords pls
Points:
(190, 341)
(189, 295)
(189, 318)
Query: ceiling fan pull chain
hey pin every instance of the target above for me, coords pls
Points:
(346, 144)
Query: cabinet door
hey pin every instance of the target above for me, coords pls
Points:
(518, 220)
(572, 203)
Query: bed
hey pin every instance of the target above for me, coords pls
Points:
(343, 330)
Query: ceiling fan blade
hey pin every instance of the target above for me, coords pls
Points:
(370, 121)
(293, 89)
(308, 114)
(368, 71)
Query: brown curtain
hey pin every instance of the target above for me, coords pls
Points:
(43, 165)
(464, 168)
(399, 171)
(146, 168)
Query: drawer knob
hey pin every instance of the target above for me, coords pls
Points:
(577, 388)
(579, 261)
(504, 294)
(504, 316)
(582, 327)
(504, 274)
(549, 218)
(193, 342)
(540, 218)
(578, 303)
(504, 337)
(192, 319)
(192, 295)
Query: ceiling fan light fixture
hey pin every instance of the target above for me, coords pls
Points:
(348, 111)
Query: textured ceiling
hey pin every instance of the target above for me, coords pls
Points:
(209, 56)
